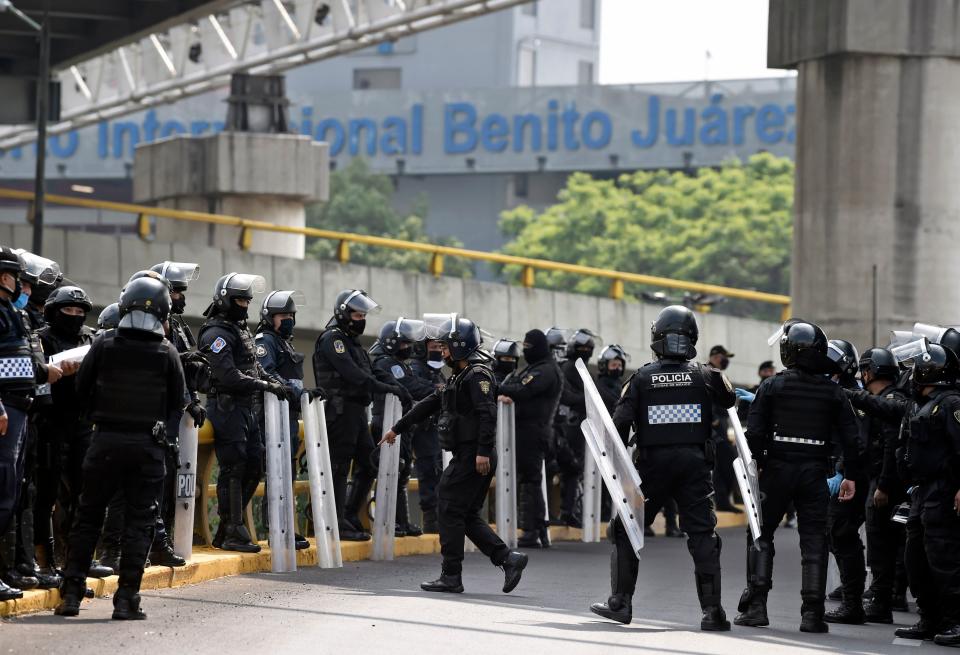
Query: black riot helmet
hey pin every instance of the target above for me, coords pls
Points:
(950, 339)
(66, 297)
(150, 274)
(608, 354)
(399, 336)
(804, 346)
(557, 341)
(43, 274)
(506, 354)
(281, 302)
(462, 337)
(353, 300)
(144, 305)
(232, 287)
(845, 356)
(582, 344)
(11, 262)
(880, 363)
(674, 334)
(937, 367)
(179, 274)
(109, 318)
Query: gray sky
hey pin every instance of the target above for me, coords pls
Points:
(667, 40)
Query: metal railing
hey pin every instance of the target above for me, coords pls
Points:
(528, 266)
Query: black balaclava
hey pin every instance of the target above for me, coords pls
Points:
(68, 325)
(286, 327)
(177, 306)
(536, 348)
(235, 312)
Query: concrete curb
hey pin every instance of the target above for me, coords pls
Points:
(209, 564)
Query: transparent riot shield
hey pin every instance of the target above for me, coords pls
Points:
(745, 468)
(506, 486)
(186, 488)
(324, 508)
(276, 419)
(546, 494)
(616, 468)
(385, 509)
(592, 494)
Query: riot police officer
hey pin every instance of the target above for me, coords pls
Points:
(536, 392)
(885, 538)
(669, 403)
(468, 428)
(570, 444)
(109, 318)
(427, 364)
(342, 369)
(19, 374)
(128, 384)
(39, 279)
(845, 518)
(506, 357)
(611, 367)
(796, 417)
(394, 347)
(278, 357)
(233, 392)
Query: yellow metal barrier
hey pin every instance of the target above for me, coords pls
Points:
(344, 239)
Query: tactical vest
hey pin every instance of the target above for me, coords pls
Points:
(928, 450)
(131, 384)
(803, 415)
(181, 335)
(17, 371)
(384, 362)
(677, 406)
(330, 380)
(454, 428)
(244, 358)
(289, 362)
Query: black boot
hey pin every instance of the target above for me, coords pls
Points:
(853, 577)
(98, 570)
(300, 542)
(618, 608)
(9, 593)
(708, 591)
(899, 603)
(403, 514)
(14, 578)
(220, 533)
(357, 496)
(445, 583)
(235, 534)
(948, 635)
(544, 534)
(877, 612)
(513, 567)
(836, 594)
(8, 562)
(163, 555)
(46, 580)
(753, 601)
(71, 593)
(126, 605)
(530, 537)
(430, 522)
(813, 585)
(672, 529)
(925, 628)
(111, 558)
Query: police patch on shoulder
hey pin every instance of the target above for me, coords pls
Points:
(485, 386)
(397, 371)
(261, 351)
(339, 347)
(956, 415)
(219, 344)
(527, 380)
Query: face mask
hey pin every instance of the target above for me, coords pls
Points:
(177, 306)
(435, 359)
(403, 353)
(236, 313)
(505, 367)
(724, 363)
(615, 372)
(21, 300)
(286, 327)
(69, 325)
(584, 355)
(357, 327)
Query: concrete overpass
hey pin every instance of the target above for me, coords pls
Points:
(102, 263)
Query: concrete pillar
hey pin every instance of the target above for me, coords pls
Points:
(267, 177)
(878, 156)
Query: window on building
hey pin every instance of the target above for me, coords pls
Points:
(376, 78)
(585, 73)
(527, 67)
(529, 9)
(521, 185)
(588, 14)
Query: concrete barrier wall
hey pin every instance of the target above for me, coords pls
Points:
(100, 264)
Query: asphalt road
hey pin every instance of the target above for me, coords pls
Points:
(377, 607)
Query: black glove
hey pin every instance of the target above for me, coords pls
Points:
(277, 389)
(316, 393)
(198, 413)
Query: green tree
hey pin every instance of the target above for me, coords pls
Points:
(730, 226)
(360, 202)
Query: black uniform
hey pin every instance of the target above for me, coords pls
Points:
(535, 391)
(570, 443)
(232, 408)
(279, 359)
(794, 422)
(428, 458)
(342, 368)
(468, 427)
(64, 437)
(670, 404)
(129, 383)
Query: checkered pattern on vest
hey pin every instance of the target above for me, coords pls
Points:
(16, 368)
(668, 414)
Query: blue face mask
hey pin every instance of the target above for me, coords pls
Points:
(21, 300)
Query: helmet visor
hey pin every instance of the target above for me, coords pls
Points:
(46, 271)
(245, 283)
(180, 271)
(901, 337)
(776, 336)
(911, 352)
(359, 301)
(411, 329)
(435, 324)
(281, 301)
(933, 333)
(614, 351)
(584, 337)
